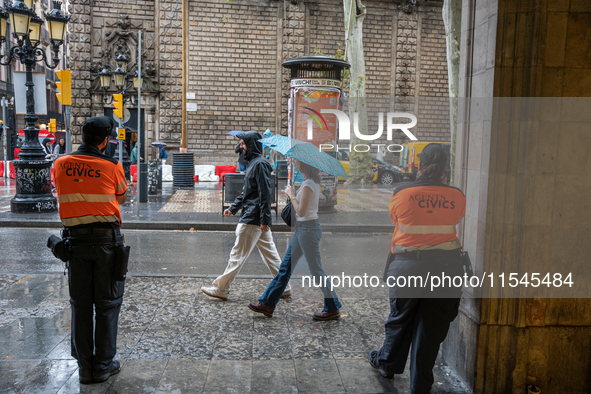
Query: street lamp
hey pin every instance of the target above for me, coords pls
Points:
(119, 78)
(57, 22)
(105, 78)
(20, 16)
(35, 29)
(135, 80)
(3, 19)
(33, 172)
(122, 60)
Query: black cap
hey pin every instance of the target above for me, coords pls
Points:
(100, 126)
(433, 154)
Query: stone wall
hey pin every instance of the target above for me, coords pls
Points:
(170, 70)
(80, 27)
(235, 51)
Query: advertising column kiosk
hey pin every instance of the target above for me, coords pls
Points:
(316, 84)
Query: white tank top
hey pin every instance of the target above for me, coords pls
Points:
(312, 212)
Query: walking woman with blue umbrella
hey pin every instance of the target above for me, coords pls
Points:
(306, 239)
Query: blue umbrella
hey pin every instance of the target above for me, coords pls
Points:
(158, 144)
(235, 132)
(306, 153)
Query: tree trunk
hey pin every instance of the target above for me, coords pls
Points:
(360, 166)
(452, 18)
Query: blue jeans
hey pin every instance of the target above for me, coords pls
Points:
(305, 242)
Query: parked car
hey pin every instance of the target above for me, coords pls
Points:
(384, 173)
(387, 173)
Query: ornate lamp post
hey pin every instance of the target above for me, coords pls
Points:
(121, 80)
(33, 172)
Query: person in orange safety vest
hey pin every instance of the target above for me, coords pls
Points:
(90, 187)
(424, 245)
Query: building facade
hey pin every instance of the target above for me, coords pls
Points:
(233, 67)
(16, 121)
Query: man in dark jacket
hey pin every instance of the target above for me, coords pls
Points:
(255, 221)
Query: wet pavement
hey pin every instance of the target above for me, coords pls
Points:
(173, 339)
(195, 253)
(359, 209)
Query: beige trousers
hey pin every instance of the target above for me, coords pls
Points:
(247, 236)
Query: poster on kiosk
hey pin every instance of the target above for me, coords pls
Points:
(316, 85)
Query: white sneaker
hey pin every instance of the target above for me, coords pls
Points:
(286, 293)
(215, 292)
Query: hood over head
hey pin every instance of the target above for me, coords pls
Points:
(253, 147)
(45, 141)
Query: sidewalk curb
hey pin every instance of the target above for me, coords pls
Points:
(204, 226)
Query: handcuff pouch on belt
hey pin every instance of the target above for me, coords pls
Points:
(467, 264)
(121, 258)
(59, 247)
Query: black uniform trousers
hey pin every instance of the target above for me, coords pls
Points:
(419, 318)
(94, 291)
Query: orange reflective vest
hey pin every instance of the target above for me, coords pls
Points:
(426, 213)
(87, 183)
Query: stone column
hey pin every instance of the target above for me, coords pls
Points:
(80, 62)
(527, 187)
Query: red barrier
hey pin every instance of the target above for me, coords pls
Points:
(221, 170)
(11, 173)
(133, 171)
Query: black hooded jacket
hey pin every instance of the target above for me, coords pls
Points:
(255, 199)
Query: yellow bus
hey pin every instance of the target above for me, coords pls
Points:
(409, 160)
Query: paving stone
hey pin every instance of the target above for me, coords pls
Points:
(232, 349)
(359, 377)
(271, 344)
(183, 376)
(305, 347)
(63, 351)
(276, 376)
(14, 373)
(315, 376)
(228, 376)
(73, 385)
(37, 346)
(47, 376)
(138, 376)
(195, 345)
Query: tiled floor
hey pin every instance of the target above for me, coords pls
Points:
(172, 339)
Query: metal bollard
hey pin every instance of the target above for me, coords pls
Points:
(153, 178)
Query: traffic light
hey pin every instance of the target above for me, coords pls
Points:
(64, 86)
(52, 126)
(118, 103)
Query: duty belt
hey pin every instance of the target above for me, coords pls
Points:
(93, 236)
(88, 231)
(427, 254)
